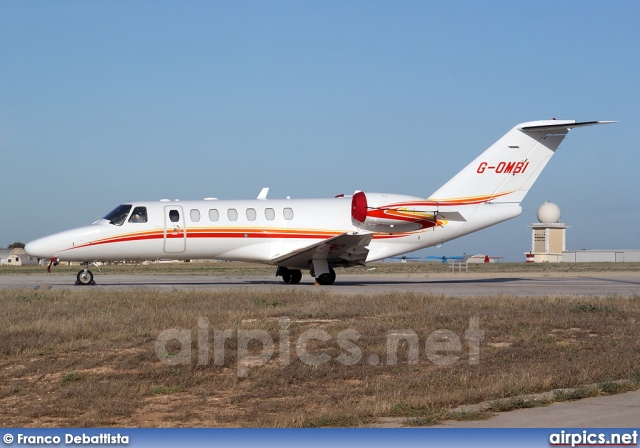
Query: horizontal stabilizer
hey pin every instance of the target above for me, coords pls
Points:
(451, 216)
(565, 125)
(420, 213)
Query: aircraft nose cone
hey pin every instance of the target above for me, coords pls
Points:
(38, 248)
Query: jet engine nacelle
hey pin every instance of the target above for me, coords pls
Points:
(389, 213)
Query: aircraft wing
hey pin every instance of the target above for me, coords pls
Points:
(348, 249)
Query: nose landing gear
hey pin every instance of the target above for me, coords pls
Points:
(85, 277)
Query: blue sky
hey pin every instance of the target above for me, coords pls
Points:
(106, 102)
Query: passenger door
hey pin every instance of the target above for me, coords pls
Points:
(175, 233)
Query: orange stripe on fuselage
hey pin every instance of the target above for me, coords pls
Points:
(208, 232)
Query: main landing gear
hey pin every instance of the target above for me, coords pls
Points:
(289, 276)
(327, 278)
(85, 277)
(293, 276)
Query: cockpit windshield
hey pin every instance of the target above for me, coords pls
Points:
(118, 215)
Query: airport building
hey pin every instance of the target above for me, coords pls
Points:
(548, 243)
(16, 257)
(548, 237)
(592, 256)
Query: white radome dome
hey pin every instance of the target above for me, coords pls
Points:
(549, 212)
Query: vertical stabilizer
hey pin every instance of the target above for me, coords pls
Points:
(506, 171)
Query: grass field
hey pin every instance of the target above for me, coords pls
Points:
(90, 358)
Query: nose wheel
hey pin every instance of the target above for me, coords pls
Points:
(85, 277)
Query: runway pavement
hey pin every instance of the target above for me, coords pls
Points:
(597, 283)
(613, 411)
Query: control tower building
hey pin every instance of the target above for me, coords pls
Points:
(548, 236)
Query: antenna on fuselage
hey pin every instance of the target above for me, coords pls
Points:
(263, 193)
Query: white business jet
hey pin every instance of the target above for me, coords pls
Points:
(318, 234)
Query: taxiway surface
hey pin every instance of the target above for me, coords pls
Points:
(627, 284)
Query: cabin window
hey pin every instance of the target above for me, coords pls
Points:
(118, 215)
(270, 214)
(195, 215)
(214, 215)
(232, 214)
(288, 213)
(139, 215)
(251, 214)
(174, 215)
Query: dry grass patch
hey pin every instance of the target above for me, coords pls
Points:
(88, 358)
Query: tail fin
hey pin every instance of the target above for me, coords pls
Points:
(505, 172)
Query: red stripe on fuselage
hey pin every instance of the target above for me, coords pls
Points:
(211, 234)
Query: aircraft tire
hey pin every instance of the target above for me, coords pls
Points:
(85, 278)
(296, 276)
(285, 273)
(327, 279)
